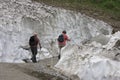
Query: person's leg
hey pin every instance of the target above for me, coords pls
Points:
(34, 52)
(59, 52)
(60, 47)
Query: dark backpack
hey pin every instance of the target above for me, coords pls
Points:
(61, 38)
(32, 41)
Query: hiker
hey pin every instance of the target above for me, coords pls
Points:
(34, 42)
(62, 41)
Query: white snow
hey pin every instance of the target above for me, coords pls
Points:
(91, 61)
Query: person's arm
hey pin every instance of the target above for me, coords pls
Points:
(40, 45)
(68, 39)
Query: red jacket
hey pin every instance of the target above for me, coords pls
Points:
(65, 39)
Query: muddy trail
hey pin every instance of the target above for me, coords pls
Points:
(43, 70)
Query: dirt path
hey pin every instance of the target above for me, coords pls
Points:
(42, 70)
(10, 72)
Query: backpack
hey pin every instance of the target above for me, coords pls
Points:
(32, 41)
(61, 38)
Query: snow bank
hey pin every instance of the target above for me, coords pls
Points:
(91, 61)
(19, 19)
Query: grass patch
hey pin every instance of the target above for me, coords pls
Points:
(111, 7)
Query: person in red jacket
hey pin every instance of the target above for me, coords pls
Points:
(62, 39)
(34, 42)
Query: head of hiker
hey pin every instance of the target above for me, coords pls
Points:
(64, 32)
(35, 34)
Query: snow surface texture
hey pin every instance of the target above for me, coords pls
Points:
(88, 56)
(92, 61)
(19, 19)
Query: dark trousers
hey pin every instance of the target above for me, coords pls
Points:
(34, 53)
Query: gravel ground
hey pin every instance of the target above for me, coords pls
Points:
(43, 70)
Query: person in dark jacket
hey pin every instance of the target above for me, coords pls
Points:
(34, 42)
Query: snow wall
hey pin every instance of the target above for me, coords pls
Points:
(91, 61)
(88, 56)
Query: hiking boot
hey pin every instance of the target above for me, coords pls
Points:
(58, 56)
